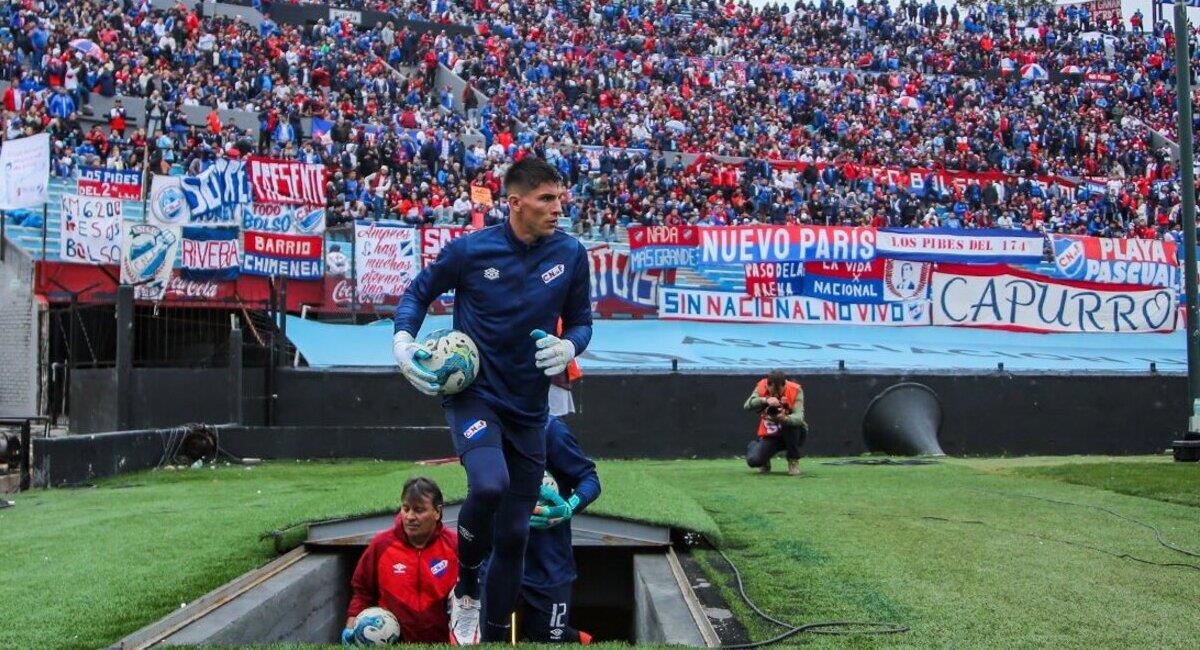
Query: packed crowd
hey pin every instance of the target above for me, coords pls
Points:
(839, 88)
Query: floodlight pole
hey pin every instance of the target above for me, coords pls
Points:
(1187, 178)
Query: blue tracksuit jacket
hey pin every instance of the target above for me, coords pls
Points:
(504, 289)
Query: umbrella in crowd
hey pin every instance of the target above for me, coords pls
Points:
(1071, 69)
(89, 48)
(1034, 72)
(911, 103)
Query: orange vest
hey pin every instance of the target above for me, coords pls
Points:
(791, 392)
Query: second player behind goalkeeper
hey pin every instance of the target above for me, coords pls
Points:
(544, 608)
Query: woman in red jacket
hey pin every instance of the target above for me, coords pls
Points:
(410, 569)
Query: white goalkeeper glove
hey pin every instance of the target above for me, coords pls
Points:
(553, 353)
(409, 356)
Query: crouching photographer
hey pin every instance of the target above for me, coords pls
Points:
(780, 406)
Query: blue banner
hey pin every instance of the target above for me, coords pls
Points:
(210, 254)
(843, 290)
(214, 195)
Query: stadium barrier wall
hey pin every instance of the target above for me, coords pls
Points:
(72, 460)
(209, 8)
(307, 14)
(672, 415)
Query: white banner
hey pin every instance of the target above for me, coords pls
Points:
(979, 246)
(25, 172)
(1027, 302)
(90, 230)
(285, 219)
(386, 259)
(149, 252)
(677, 303)
(168, 205)
(905, 280)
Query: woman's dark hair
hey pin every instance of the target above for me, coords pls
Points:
(419, 486)
(529, 173)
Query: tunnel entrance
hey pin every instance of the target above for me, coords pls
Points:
(633, 587)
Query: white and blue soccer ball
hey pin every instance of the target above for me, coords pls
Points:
(548, 481)
(454, 359)
(376, 626)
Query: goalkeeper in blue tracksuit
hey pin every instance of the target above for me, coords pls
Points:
(513, 283)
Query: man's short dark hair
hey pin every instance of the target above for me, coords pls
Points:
(776, 378)
(528, 173)
(419, 486)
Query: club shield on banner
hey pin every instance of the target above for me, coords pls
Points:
(1150, 262)
(385, 260)
(286, 181)
(616, 288)
(209, 254)
(289, 219)
(773, 279)
(110, 183)
(167, 204)
(721, 246)
(983, 246)
(1016, 300)
(215, 196)
(148, 254)
(275, 254)
(90, 230)
(25, 172)
(663, 247)
(678, 303)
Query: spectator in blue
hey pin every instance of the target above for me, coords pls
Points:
(60, 104)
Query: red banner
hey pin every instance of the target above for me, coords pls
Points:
(339, 292)
(1101, 77)
(181, 290)
(110, 183)
(55, 281)
(1159, 251)
(434, 238)
(916, 179)
(659, 247)
(773, 279)
(298, 247)
(286, 181)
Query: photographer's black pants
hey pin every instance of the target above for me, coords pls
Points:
(761, 450)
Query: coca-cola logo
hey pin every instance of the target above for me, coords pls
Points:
(343, 293)
(181, 288)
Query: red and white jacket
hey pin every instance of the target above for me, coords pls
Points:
(411, 583)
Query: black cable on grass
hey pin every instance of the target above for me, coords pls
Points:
(833, 628)
(882, 461)
(1158, 536)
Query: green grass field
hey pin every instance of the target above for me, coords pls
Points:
(958, 551)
